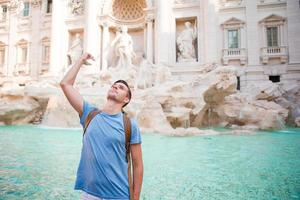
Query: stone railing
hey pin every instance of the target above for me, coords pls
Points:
(274, 52)
(24, 22)
(22, 69)
(4, 25)
(230, 4)
(271, 1)
(2, 69)
(282, 50)
(44, 68)
(234, 54)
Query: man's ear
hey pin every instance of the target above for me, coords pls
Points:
(126, 100)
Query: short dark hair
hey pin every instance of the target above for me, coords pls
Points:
(129, 91)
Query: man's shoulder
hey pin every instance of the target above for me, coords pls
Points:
(134, 124)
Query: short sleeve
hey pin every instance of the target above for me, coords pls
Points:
(135, 133)
(87, 108)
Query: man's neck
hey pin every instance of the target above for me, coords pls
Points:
(112, 107)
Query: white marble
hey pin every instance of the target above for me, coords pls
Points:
(155, 31)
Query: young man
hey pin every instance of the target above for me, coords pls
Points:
(102, 172)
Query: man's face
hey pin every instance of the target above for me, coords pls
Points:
(119, 93)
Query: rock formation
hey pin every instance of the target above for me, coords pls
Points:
(170, 106)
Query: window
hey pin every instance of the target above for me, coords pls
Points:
(24, 55)
(233, 39)
(272, 36)
(274, 79)
(2, 57)
(45, 50)
(3, 13)
(49, 6)
(26, 9)
(46, 54)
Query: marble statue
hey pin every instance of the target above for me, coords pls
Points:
(185, 43)
(76, 49)
(77, 7)
(162, 74)
(145, 75)
(123, 48)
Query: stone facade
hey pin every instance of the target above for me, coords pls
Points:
(261, 37)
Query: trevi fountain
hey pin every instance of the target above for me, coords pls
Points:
(163, 49)
(215, 87)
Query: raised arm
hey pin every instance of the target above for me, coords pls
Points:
(66, 84)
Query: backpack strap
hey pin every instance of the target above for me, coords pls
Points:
(127, 127)
(89, 118)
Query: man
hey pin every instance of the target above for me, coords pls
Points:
(102, 172)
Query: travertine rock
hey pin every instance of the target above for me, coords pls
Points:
(59, 112)
(152, 118)
(168, 107)
(18, 109)
(259, 113)
(291, 101)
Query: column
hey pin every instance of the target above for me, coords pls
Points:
(149, 39)
(282, 43)
(264, 36)
(92, 30)
(105, 46)
(225, 38)
(210, 30)
(6, 67)
(243, 38)
(293, 24)
(12, 50)
(35, 46)
(213, 36)
(57, 56)
(201, 26)
(163, 31)
(253, 45)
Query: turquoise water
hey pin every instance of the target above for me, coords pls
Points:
(37, 163)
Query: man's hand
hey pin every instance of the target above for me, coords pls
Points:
(85, 57)
(73, 96)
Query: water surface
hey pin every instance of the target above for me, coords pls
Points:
(39, 163)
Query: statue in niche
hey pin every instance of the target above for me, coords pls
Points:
(77, 7)
(76, 50)
(123, 48)
(185, 43)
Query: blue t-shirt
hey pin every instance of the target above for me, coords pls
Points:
(102, 170)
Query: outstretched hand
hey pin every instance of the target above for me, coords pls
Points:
(85, 57)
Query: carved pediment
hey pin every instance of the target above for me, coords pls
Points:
(2, 44)
(233, 22)
(22, 42)
(272, 19)
(45, 40)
